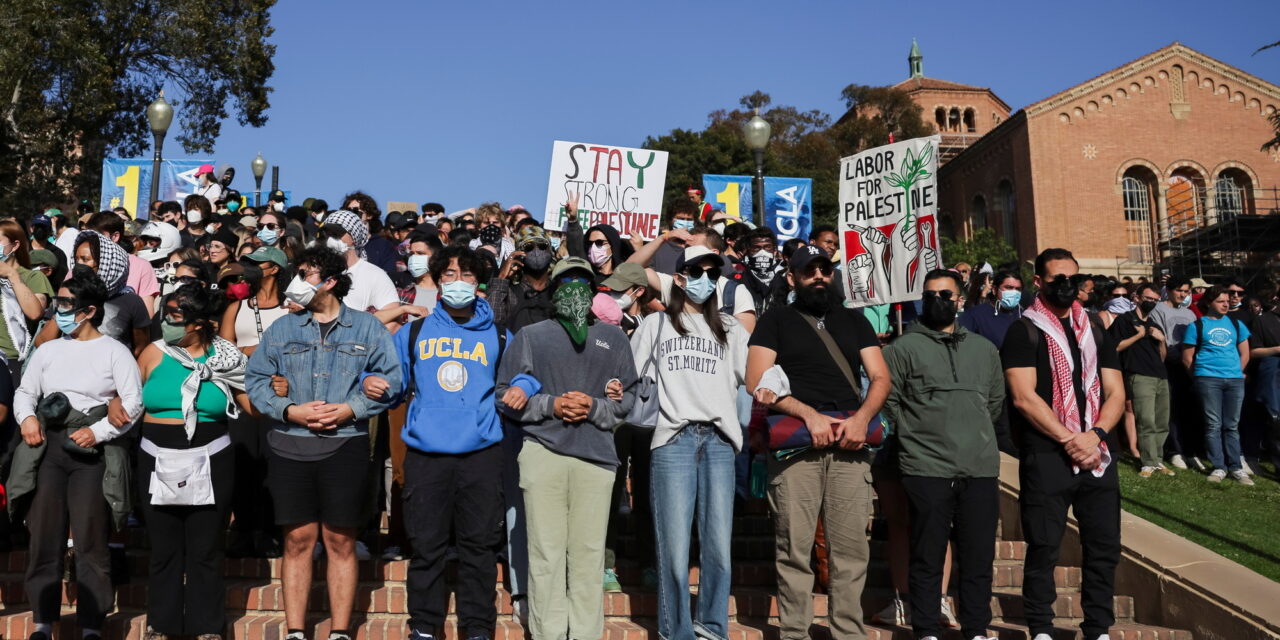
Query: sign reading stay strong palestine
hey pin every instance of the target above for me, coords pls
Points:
(888, 221)
(616, 186)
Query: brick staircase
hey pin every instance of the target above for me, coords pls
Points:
(256, 606)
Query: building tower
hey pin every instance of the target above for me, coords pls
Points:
(916, 60)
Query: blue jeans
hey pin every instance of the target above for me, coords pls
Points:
(1221, 398)
(693, 475)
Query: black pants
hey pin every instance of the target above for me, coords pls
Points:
(69, 490)
(251, 502)
(1048, 488)
(185, 591)
(939, 506)
(458, 494)
(1186, 416)
(633, 445)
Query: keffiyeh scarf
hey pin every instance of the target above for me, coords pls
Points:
(225, 369)
(351, 223)
(113, 262)
(15, 320)
(1065, 405)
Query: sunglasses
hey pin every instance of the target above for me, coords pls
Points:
(1236, 292)
(271, 225)
(185, 280)
(697, 272)
(945, 294)
(173, 265)
(65, 304)
(535, 244)
(813, 270)
(598, 243)
(1119, 295)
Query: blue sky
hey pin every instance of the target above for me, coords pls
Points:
(459, 102)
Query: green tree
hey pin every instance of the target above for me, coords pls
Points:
(76, 77)
(805, 144)
(984, 246)
(1274, 142)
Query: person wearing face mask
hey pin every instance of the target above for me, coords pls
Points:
(520, 294)
(454, 461)
(125, 316)
(605, 250)
(422, 290)
(1068, 391)
(198, 216)
(697, 356)
(192, 384)
(24, 296)
(947, 392)
(42, 238)
(1185, 444)
(992, 317)
(207, 186)
(142, 277)
(271, 229)
(765, 274)
(1143, 350)
(318, 466)
(69, 465)
(567, 460)
(371, 288)
(1115, 301)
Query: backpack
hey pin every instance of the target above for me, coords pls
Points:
(730, 296)
(1199, 324)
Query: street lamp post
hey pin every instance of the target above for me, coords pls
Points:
(756, 131)
(259, 166)
(159, 116)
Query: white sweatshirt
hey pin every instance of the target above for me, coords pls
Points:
(698, 378)
(90, 373)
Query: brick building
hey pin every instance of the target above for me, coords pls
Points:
(1156, 163)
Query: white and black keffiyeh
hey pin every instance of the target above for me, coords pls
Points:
(113, 262)
(15, 320)
(225, 369)
(350, 222)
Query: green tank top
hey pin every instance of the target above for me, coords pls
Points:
(162, 393)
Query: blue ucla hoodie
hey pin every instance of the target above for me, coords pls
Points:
(453, 409)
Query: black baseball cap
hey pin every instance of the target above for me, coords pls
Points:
(398, 221)
(804, 255)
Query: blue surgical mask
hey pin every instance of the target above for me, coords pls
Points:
(1010, 300)
(66, 322)
(687, 225)
(1186, 302)
(418, 265)
(458, 294)
(699, 289)
(268, 236)
(555, 242)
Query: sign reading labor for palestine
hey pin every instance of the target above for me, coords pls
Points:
(616, 186)
(889, 221)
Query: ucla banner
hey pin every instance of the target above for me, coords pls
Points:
(126, 182)
(788, 202)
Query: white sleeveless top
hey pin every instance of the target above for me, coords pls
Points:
(247, 332)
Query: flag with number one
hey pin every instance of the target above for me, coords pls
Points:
(788, 202)
(126, 182)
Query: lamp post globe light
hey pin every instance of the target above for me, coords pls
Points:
(756, 132)
(159, 116)
(259, 166)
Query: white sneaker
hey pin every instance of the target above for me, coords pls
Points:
(948, 619)
(1244, 466)
(1198, 464)
(392, 553)
(1242, 477)
(1218, 475)
(984, 638)
(1104, 637)
(1177, 461)
(1044, 636)
(520, 610)
(362, 551)
(929, 638)
(895, 613)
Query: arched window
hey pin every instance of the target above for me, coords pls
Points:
(1233, 193)
(1184, 202)
(1006, 205)
(978, 213)
(946, 226)
(940, 119)
(1137, 186)
(953, 121)
(970, 120)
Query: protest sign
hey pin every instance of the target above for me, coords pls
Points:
(788, 202)
(126, 182)
(888, 221)
(616, 186)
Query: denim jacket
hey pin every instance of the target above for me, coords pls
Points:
(328, 370)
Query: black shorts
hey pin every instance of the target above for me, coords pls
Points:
(331, 491)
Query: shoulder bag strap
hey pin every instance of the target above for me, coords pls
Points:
(653, 359)
(836, 354)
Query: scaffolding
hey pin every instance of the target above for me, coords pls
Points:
(1219, 232)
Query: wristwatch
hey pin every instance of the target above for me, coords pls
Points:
(1102, 435)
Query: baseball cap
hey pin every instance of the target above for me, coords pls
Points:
(1199, 283)
(398, 221)
(54, 212)
(268, 254)
(276, 195)
(694, 254)
(571, 263)
(626, 276)
(529, 233)
(43, 258)
(41, 220)
(204, 168)
(249, 221)
(804, 255)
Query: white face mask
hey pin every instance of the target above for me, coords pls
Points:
(278, 207)
(624, 300)
(194, 216)
(300, 291)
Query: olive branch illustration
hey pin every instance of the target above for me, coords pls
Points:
(913, 171)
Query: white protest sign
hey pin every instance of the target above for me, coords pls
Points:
(889, 221)
(616, 186)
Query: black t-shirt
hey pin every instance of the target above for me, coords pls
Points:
(1265, 330)
(1142, 357)
(1021, 350)
(815, 378)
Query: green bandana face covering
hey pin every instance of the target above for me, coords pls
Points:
(573, 303)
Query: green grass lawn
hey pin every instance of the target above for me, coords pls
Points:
(1236, 521)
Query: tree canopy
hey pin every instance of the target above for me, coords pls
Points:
(805, 144)
(76, 77)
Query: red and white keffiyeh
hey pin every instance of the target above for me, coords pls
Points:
(1065, 405)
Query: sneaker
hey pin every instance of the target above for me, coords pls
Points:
(362, 551)
(1146, 472)
(339, 636)
(418, 635)
(611, 580)
(1165, 470)
(1242, 477)
(1244, 466)
(1217, 475)
(209, 636)
(1198, 464)
(1177, 462)
(948, 619)
(520, 610)
(895, 613)
(929, 638)
(392, 553)
(296, 635)
(152, 634)
(1042, 636)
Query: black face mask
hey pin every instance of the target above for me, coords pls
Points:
(1147, 306)
(537, 260)
(1061, 292)
(938, 313)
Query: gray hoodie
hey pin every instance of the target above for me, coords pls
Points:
(544, 351)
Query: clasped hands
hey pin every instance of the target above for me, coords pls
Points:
(570, 407)
(319, 415)
(1084, 450)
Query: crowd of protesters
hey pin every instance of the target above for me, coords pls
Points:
(264, 382)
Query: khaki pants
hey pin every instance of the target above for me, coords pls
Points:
(798, 490)
(1151, 411)
(567, 509)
